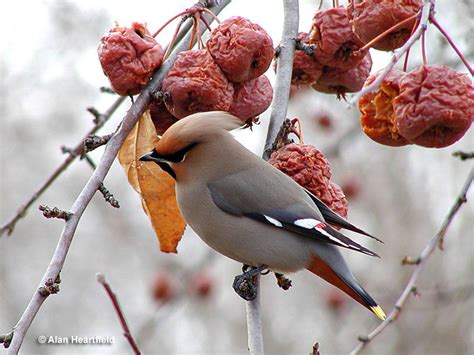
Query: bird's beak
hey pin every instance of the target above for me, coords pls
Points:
(151, 156)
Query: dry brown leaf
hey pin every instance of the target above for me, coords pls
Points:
(156, 187)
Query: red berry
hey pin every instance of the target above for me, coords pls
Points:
(309, 167)
(161, 117)
(435, 106)
(306, 68)
(129, 56)
(370, 18)
(336, 45)
(201, 285)
(241, 48)
(378, 116)
(163, 287)
(340, 82)
(196, 84)
(251, 98)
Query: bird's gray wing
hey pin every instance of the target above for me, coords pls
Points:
(277, 201)
(336, 220)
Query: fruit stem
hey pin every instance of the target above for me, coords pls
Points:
(173, 40)
(390, 30)
(199, 38)
(450, 41)
(405, 64)
(423, 48)
(193, 34)
(169, 21)
(206, 23)
(212, 14)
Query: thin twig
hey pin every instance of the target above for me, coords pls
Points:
(463, 155)
(93, 142)
(421, 260)
(427, 7)
(452, 44)
(54, 212)
(123, 322)
(80, 204)
(254, 323)
(76, 151)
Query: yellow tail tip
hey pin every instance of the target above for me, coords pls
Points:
(378, 312)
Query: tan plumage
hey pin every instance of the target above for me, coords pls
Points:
(247, 210)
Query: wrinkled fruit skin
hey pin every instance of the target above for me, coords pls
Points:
(306, 68)
(309, 168)
(129, 56)
(369, 18)
(435, 106)
(337, 45)
(378, 117)
(242, 49)
(340, 82)
(196, 84)
(251, 98)
(161, 117)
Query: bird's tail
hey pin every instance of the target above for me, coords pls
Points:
(342, 278)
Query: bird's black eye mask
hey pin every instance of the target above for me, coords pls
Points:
(164, 160)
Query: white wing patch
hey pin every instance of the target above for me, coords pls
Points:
(308, 223)
(273, 221)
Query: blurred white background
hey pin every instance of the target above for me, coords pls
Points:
(50, 74)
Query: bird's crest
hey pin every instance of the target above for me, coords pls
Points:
(196, 128)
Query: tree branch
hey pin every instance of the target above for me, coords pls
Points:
(80, 204)
(420, 263)
(277, 117)
(283, 74)
(123, 322)
(426, 9)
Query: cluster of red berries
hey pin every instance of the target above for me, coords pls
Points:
(226, 76)
(431, 106)
(334, 56)
(309, 167)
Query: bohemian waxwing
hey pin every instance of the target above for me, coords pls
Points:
(251, 212)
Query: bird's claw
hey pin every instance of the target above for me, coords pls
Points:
(245, 285)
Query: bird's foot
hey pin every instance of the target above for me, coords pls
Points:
(282, 281)
(246, 284)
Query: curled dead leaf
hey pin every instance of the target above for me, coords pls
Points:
(156, 187)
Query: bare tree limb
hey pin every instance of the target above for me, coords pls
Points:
(123, 322)
(426, 10)
(111, 149)
(283, 74)
(420, 263)
(277, 117)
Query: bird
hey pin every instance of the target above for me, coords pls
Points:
(251, 212)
